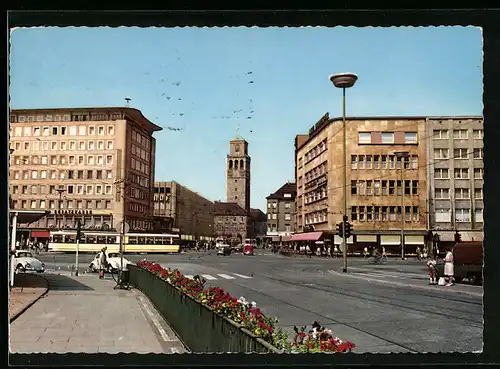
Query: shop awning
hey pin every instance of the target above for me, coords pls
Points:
(40, 234)
(366, 238)
(28, 216)
(472, 236)
(390, 240)
(414, 240)
(310, 236)
(286, 238)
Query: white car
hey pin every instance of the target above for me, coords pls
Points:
(113, 259)
(25, 262)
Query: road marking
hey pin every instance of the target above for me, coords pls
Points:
(242, 276)
(163, 333)
(209, 277)
(225, 276)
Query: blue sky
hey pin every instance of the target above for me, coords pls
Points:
(197, 79)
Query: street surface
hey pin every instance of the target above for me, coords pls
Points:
(85, 314)
(381, 308)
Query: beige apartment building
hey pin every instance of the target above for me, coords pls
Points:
(455, 177)
(184, 211)
(383, 188)
(92, 164)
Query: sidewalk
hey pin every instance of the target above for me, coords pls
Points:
(87, 315)
(28, 288)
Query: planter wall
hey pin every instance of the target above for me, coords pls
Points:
(201, 329)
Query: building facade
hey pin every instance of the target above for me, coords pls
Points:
(230, 222)
(183, 210)
(238, 173)
(258, 220)
(92, 164)
(455, 177)
(281, 211)
(386, 180)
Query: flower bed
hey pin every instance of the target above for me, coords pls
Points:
(249, 316)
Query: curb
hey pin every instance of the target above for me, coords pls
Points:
(20, 312)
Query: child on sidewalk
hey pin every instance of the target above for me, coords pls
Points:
(431, 264)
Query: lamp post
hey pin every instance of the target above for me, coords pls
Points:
(402, 155)
(60, 190)
(343, 81)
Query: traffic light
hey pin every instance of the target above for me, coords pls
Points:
(458, 237)
(340, 229)
(78, 230)
(348, 230)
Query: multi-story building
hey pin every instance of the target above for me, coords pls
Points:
(184, 210)
(258, 220)
(387, 180)
(455, 177)
(238, 173)
(281, 211)
(92, 164)
(230, 222)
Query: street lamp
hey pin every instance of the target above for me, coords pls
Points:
(402, 155)
(343, 81)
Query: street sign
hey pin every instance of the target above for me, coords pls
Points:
(342, 246)
(120, 227)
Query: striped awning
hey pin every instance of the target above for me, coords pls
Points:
(414, 240)
(309, 236)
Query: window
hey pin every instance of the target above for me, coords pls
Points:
(410, 137)
(70, 174)
(108, 190)
(387, 137)
(376, 186)
(354, 188)
(42, 204)
(70, 188)
(111, 130)
(361, 213)
(33, 189)
(91, 145)
(26, 145)
(368, 162)
(54, 131)
(98, 174)
(34, 160)
(45, 131)
(89, 190)
(91, 130)
(63, 145)
(80, 174)
(80, 159)
(440, 173)
(43, 174)
(274, 216)
(108, 204)
(33, 204)
(72, 145)
(384, 161)
(36, 131)
(478, 215)
(79, 189)
(478, 153)
(369, 213)
(79, 204)
(478, 173)
(462, 193)
(109, 174)
(361, 162)
(89, 204)
(478, 193)
(72, 131)
(376, 162)
(17, 145)
(63, 131)
(99, 159)
(287, 217)
(61, 174)
(109, 159)
(34, 174)
(462, 215)
(459, 134)
(109, 145)
(460, 154)
(100, 145)
(478, 134)
(100, 130)
(441, 134)
(440, 153)
(353, 162)
(71, 160)
(52, 174)
(62, 160)
(81, 145)
(442, 193)
(369, 188)
(90, 159)
(89, 174)
(414, 162)
(461, 173)
(27, 131)
(53, 145)
(364, 137)
(81, 130)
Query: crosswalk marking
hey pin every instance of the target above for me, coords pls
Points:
(225, 276)
(209, 277)
(242, 276)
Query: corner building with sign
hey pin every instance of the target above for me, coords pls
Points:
(382, 188)
(92, 164)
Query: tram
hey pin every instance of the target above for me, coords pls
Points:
(92, 242)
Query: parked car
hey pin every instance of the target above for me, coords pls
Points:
(467, 262)
(113, 259)
(223, 250)
(248, 250)
(26, 262)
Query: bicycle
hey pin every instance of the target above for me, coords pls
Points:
(377, 260)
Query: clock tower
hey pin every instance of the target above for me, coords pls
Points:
(238, 173)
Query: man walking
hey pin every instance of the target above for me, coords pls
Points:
(102, 262)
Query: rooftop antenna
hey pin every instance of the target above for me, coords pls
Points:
(127, 101)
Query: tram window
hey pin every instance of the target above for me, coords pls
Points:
(157, 241)
(70, 239)
(101, 239)
(91, 239)
(58, 238)
(132, 240)
(111, 239)
(142, 240)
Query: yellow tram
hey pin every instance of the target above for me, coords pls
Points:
(92, 242)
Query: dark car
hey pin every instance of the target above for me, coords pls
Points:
(224, 250)
(467, 262)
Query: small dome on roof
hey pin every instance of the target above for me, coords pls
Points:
(239, 138)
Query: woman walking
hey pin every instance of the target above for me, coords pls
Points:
(102, 262)
(448, 267)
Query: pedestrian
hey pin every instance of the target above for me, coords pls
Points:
(102, 262)
(431, 264)
(448, 267)
(365, 252)
(419, 252)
